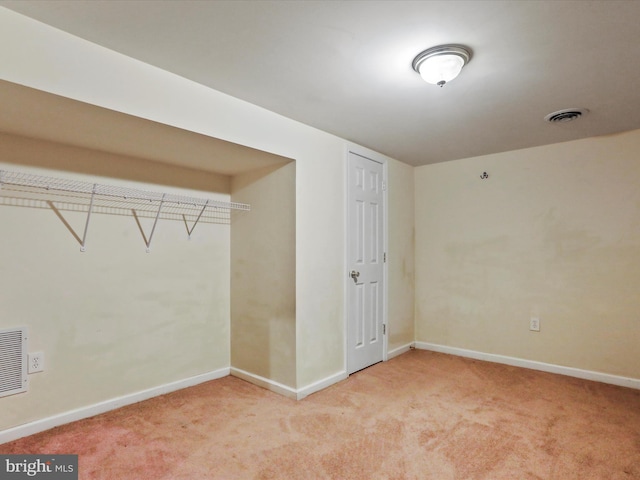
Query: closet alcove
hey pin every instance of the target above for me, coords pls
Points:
(115, 319)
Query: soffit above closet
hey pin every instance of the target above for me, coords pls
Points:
(36, 114)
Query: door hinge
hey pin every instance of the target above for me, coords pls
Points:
(384, 186)
(384, 257)
(384, 328)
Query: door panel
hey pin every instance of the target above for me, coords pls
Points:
(365, 240)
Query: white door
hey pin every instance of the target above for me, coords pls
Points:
(365, 261)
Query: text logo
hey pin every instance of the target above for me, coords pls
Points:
(45, 467)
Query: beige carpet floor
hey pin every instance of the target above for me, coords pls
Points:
(422, 415)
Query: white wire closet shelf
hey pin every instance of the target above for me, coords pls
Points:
(38, 191)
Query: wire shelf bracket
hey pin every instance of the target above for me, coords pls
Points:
(153, 229)
(37, 191)
(186, 224)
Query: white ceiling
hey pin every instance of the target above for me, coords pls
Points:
(345, 66)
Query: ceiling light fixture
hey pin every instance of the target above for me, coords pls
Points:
(441, 64)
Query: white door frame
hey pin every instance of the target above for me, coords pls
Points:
(376, 157)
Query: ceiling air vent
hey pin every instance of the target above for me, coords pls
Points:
(566, 115)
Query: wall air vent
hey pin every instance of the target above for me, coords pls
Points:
(566, 115)
(13, 361)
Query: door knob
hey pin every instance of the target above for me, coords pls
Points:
(355, 275)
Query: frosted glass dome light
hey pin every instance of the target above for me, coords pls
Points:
(439, 65)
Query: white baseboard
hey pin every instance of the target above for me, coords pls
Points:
(399, 350)
(295, 394)
(41, 425)
(102, 407)
(531, 364)
(321, 384)
(265, 383)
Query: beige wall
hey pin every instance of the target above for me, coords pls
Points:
(98, 76)
(400, 258)
(263, 275)
(113, 320)
(553, 233)
(89, 73)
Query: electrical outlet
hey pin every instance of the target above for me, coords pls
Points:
(534, 324)
(35, 362)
